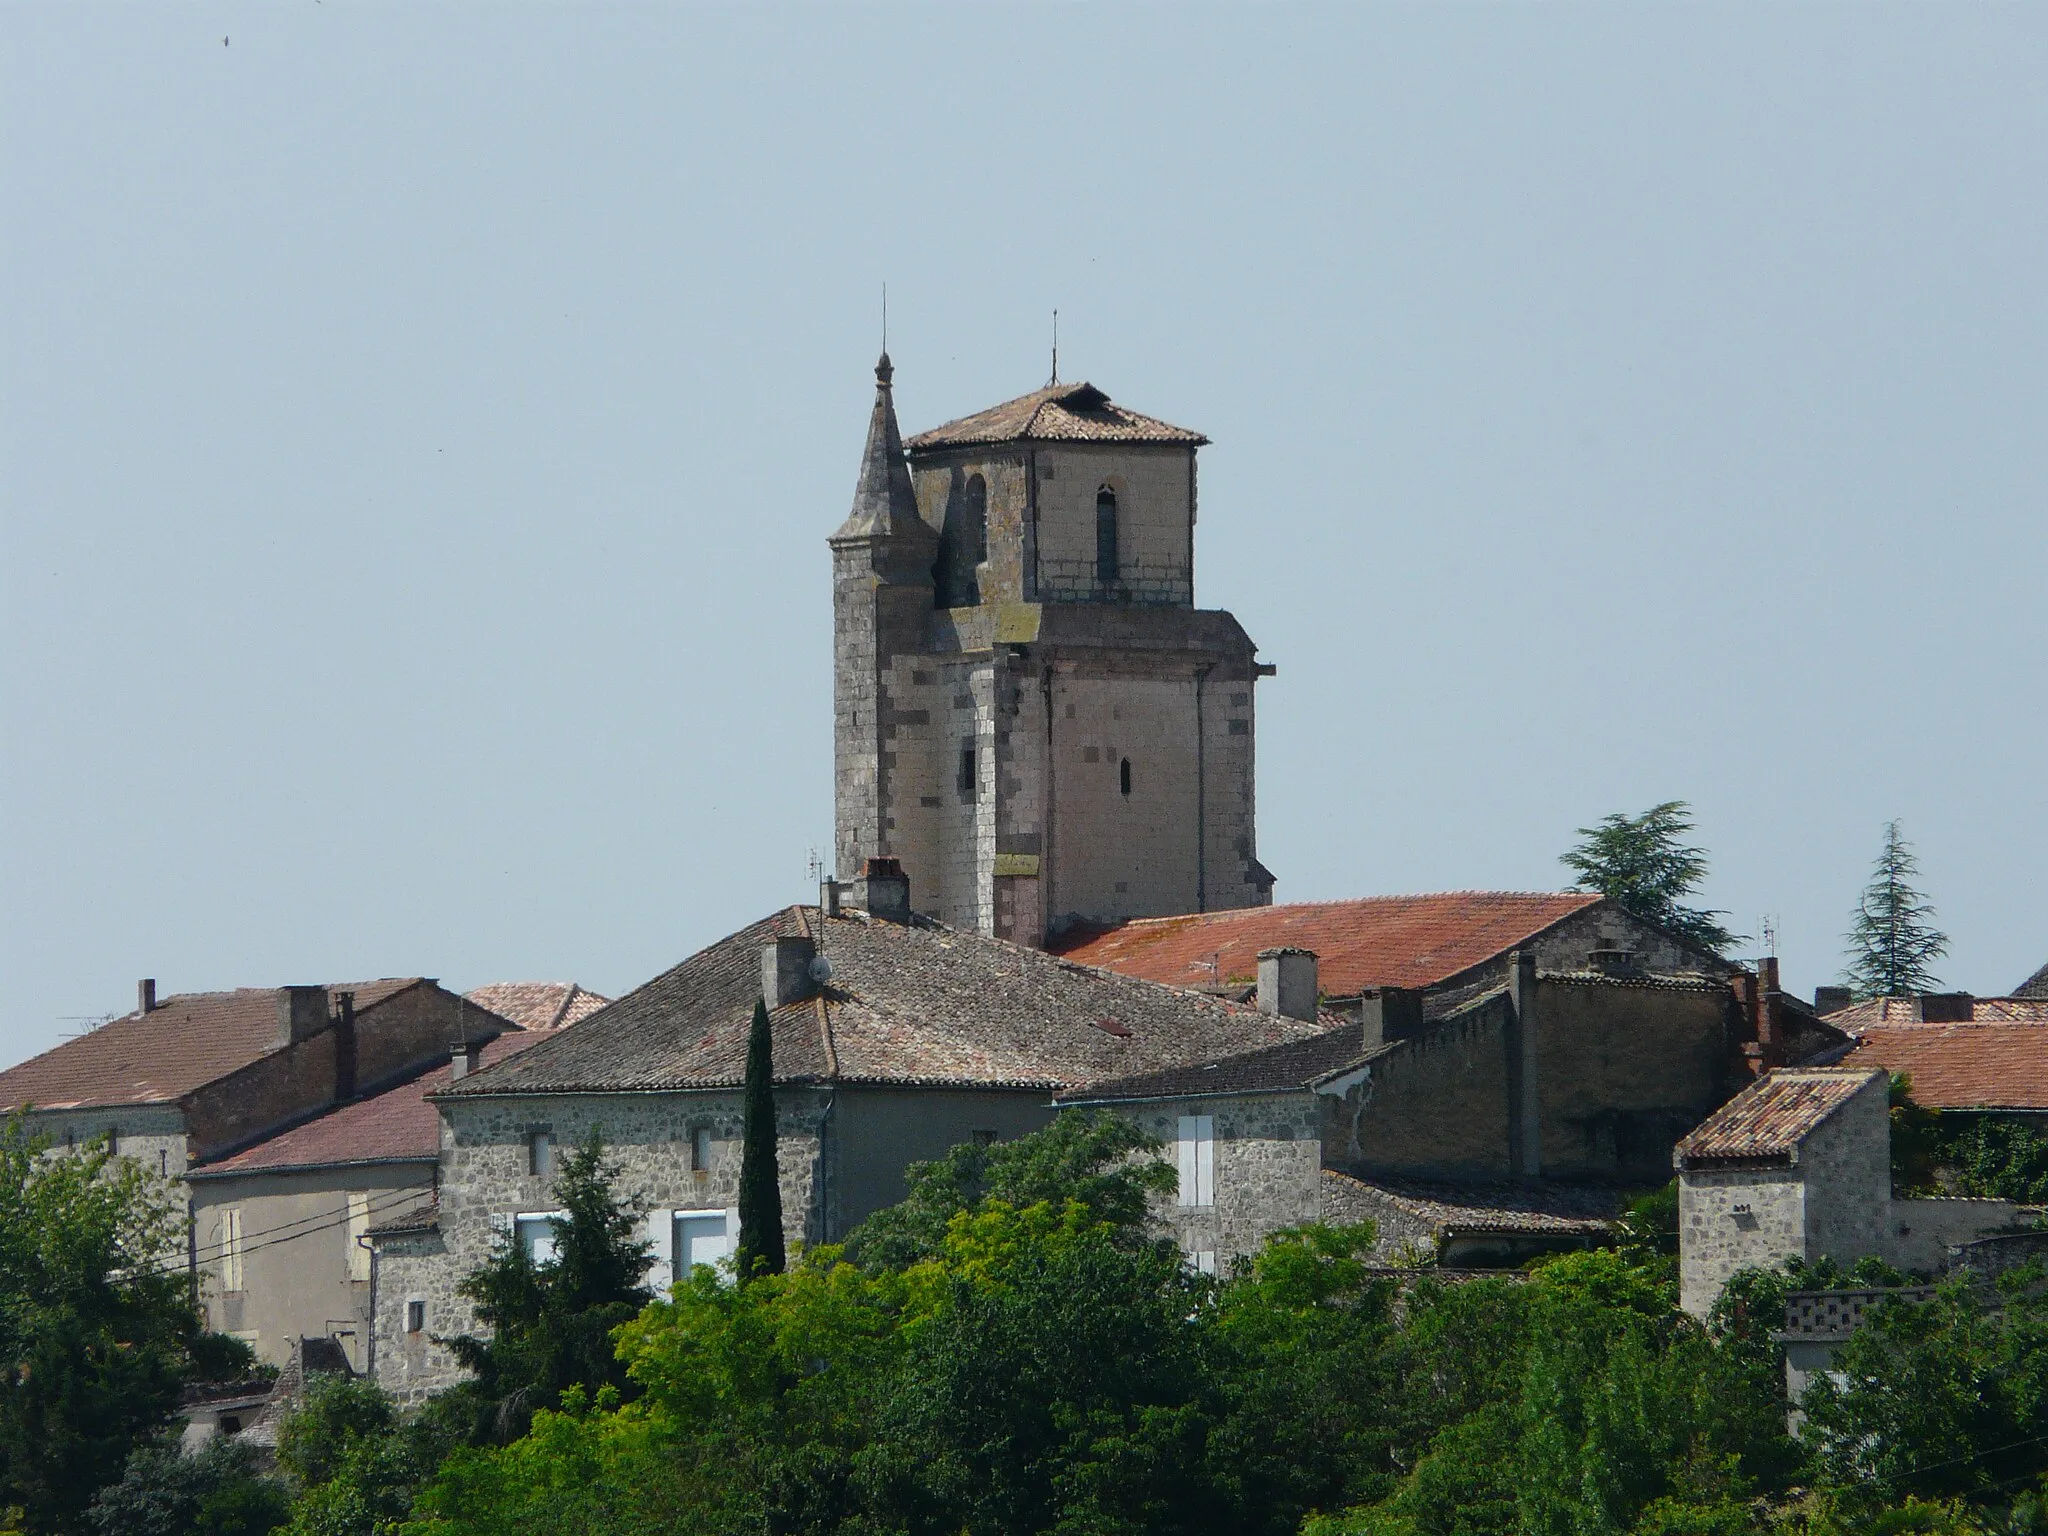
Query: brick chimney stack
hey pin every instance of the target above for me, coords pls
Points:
(301, 1014)
(883, 890)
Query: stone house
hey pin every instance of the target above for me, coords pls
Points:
(199, 1075)
(895, 1038)
(1798, 1165)
(305, 1200)
(1030, 714)
(1478, 1120)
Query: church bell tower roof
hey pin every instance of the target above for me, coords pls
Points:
(883, 502)
(1058, 413)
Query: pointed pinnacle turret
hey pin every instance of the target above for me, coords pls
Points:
(883, 503)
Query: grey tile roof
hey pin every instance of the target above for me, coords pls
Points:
(1485, 1205)
(2035, 985)
(1292, 1066)
(915, 1003)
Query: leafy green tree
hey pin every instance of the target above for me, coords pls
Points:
(98, 1321)
(1101, 1162)
(354, 1460)
(760, 1246)
(218, 1492)
(1892, 945)
(551, 1323)
(1643, 864)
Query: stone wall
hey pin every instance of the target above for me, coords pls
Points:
(1155, 522)
(152, 1134)
(1268, 1171)
(1436, 1104)
(485, 1173)
(876, 1133)
(1731, 1219)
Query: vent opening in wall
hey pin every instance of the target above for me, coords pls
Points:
(1105, 537)
(1124, 775)
(415, 1316)
(966, 779)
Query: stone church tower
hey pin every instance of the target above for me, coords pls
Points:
(1031, 713)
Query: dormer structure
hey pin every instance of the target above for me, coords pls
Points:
(1031, 714)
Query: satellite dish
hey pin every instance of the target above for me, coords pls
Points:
(821, 970)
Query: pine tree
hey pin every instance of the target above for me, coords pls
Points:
(1639, 863)
(1892, 946)
(760, 1246)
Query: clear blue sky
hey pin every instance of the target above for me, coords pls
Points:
(420, 425)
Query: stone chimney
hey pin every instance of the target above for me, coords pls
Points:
(345, 1047)
(1287, 982)
(301, 1014)
(1827, 1000)
(883, 890)
(1947, 1008)
(145, 995)
(786, 970)
(464, 1059)
(1390, 1014)
(1770, 1014)
(829, 890)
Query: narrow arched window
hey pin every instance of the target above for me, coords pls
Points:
(1124, 774)
(1105, 537)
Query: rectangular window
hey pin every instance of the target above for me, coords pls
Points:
(231, 1248)
(540, 1154)
(700, 1149)
(358, 1228)
(535, 1232)
(702, 1237)
(1203, 1261)
(1197, 1159)
(967, 766)
(415, 1315)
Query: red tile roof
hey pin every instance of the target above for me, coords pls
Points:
(1858, 1017)
(538, 1004)
(1381, 941)
(1074, 413)
(1770, 1118)
(185, 1042)
(397, 1125)
(2000, 1064)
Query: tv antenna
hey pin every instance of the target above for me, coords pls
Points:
(1055, 345)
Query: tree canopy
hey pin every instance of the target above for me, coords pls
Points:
(1892, 945)
(1643, 864)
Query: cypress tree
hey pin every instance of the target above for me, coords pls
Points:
(760, 1245)
(1892, 946)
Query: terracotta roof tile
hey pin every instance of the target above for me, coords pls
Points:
(188, 1040)
(1381, 941)
(1770, 1118)
(1907, 1010)
(538, 1004)
(1071, 413)
(907, 1003)
(1987, 1064)
(398, 1125)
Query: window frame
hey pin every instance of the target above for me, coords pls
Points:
(1195, 1143)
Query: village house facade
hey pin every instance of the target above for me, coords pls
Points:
(895, 1038)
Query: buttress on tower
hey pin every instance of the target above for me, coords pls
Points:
(1031, 714)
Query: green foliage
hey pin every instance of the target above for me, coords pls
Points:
(1892, 945)
(223, 1357)
(1916, 1139)
(551, 1323)
(1642, 863)
(217, 1492)
(355, 1462)
(1987, 1156)
(760, 1246)
(1103, 1163)
(97, 1321)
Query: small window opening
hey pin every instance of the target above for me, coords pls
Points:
(540, 1154)
(700, 1149)
(1124, 775)
(967, 767)
(415, 1316)
(1105, 537)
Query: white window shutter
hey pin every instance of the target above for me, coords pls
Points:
(661, 1265)
(1205, 1159)
(1189, 1190)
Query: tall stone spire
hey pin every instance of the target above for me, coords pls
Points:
(883, 503)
